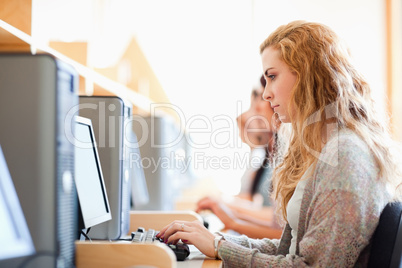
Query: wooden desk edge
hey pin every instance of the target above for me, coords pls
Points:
(104, 254)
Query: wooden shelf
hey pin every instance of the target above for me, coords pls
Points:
(24, 42)
(12, 43)
(142, 87)
(18, 14)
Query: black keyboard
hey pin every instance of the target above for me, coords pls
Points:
(181, 250)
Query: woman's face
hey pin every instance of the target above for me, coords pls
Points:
(280, 82)
(255, 123)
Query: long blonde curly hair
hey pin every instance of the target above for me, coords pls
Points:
(325, 78)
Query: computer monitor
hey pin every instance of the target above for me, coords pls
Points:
(15, 239)
(37, 92)
(91, 190)
(158, 142)
(111, 121)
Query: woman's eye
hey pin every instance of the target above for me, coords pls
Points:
(272, 77)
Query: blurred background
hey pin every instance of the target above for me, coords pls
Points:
(200, 59)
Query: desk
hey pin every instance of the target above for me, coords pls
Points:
(198, 260)
(105, 254)
(200, 263)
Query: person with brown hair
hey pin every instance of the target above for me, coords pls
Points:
(252, 212)
(336, 171)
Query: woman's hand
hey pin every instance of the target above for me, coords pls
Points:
(223, 212)
(207, 202)
(190, 233)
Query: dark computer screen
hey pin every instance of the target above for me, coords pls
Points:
(15, 239)
(92, 195)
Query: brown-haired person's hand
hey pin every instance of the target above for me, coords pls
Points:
(223, 212)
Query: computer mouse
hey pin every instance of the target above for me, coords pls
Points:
(181, 250)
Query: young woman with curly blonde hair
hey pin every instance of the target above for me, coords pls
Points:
(336, 172)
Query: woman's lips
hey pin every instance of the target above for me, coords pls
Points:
(274, 106)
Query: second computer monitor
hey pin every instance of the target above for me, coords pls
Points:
(110, 118)
(91, 190)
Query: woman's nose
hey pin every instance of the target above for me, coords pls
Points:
(266, 95)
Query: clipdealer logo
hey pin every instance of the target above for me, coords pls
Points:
(186, 140)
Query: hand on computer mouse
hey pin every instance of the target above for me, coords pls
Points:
(191, 233)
